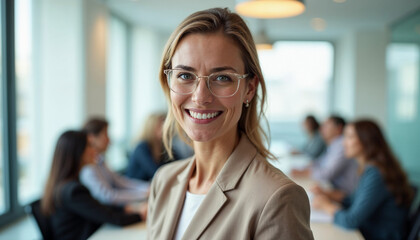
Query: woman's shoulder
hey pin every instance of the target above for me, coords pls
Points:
(72, 189)
(142, 145)
(273, 188)
(372, 177)
(172, 169)
(372, 171)
(273, 179)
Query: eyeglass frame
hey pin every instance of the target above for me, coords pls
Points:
(237, 75)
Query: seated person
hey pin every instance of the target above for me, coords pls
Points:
(314, 145)
(105, 185)
(150, 153)
(380, 204)
(72, 211)
(332, 166)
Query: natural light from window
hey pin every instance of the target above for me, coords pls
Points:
(298, 76)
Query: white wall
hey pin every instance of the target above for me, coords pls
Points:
(146, 93)
(343, 84)
(60, 61)
(70, 58)
(360, 82)
(371, 82)
(95, 50)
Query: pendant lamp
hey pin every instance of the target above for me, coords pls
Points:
(269, 8)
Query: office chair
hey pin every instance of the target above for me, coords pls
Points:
(42, 221)
(414, 220)
(414, 226)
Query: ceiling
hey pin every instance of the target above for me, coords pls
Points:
(340, 18)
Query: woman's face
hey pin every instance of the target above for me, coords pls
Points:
(101, 141)
(307, 127)
(352, 146)
(204, 54)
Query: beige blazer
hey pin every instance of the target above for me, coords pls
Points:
(250, 199)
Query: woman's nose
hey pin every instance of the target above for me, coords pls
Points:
(202, 94)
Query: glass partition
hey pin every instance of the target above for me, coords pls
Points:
(403, 63)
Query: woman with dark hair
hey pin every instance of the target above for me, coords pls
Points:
(105, 185)
(380, 204)
(216, 94)
(73, 212)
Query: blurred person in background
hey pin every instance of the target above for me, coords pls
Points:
(379, 206)
(332, 167)
(314, 145)
(105, 185)
(150, 153)
(72, 211)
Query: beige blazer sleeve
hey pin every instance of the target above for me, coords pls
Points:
(285, 216)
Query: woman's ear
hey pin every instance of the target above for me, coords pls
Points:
(252, 85)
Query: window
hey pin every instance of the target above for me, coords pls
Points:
(117, 93)
(297, 75)
(403, 61)
(49, 86)
(25, 83)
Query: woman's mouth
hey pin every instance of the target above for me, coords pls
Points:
(203, 116)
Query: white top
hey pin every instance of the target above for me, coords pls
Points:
(191, 204)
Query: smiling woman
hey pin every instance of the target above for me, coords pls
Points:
(211, 77)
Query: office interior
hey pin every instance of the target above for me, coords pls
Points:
(64, 61)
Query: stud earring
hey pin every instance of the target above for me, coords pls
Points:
(247, 103)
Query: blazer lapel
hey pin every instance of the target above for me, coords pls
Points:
(227, 180)
(177, 197)
(205, 213)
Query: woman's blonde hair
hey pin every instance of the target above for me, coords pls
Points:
(148, 132)
(232, 26)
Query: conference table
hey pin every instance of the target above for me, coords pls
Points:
(321, 224)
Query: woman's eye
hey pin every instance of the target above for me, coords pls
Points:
(223, 78)
(186, 76)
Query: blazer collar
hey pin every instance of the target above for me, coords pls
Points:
(233, 169)
(236, 164)
(228, 179)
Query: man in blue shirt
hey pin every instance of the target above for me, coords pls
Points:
(332, 166)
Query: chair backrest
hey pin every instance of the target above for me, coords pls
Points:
(42, 221)
(414, 220)
(414, 226)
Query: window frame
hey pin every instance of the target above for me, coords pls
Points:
(10, 176)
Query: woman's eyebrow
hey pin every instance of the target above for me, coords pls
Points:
(187, 68)
(217, 69)
(224, 68)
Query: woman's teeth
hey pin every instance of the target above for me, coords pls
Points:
(202, 116)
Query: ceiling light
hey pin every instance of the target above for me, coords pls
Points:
(318, 24)
(339, 1)
(269, 8)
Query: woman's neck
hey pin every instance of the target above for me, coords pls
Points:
(210, 157)
(157, 150)
(361, 161)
